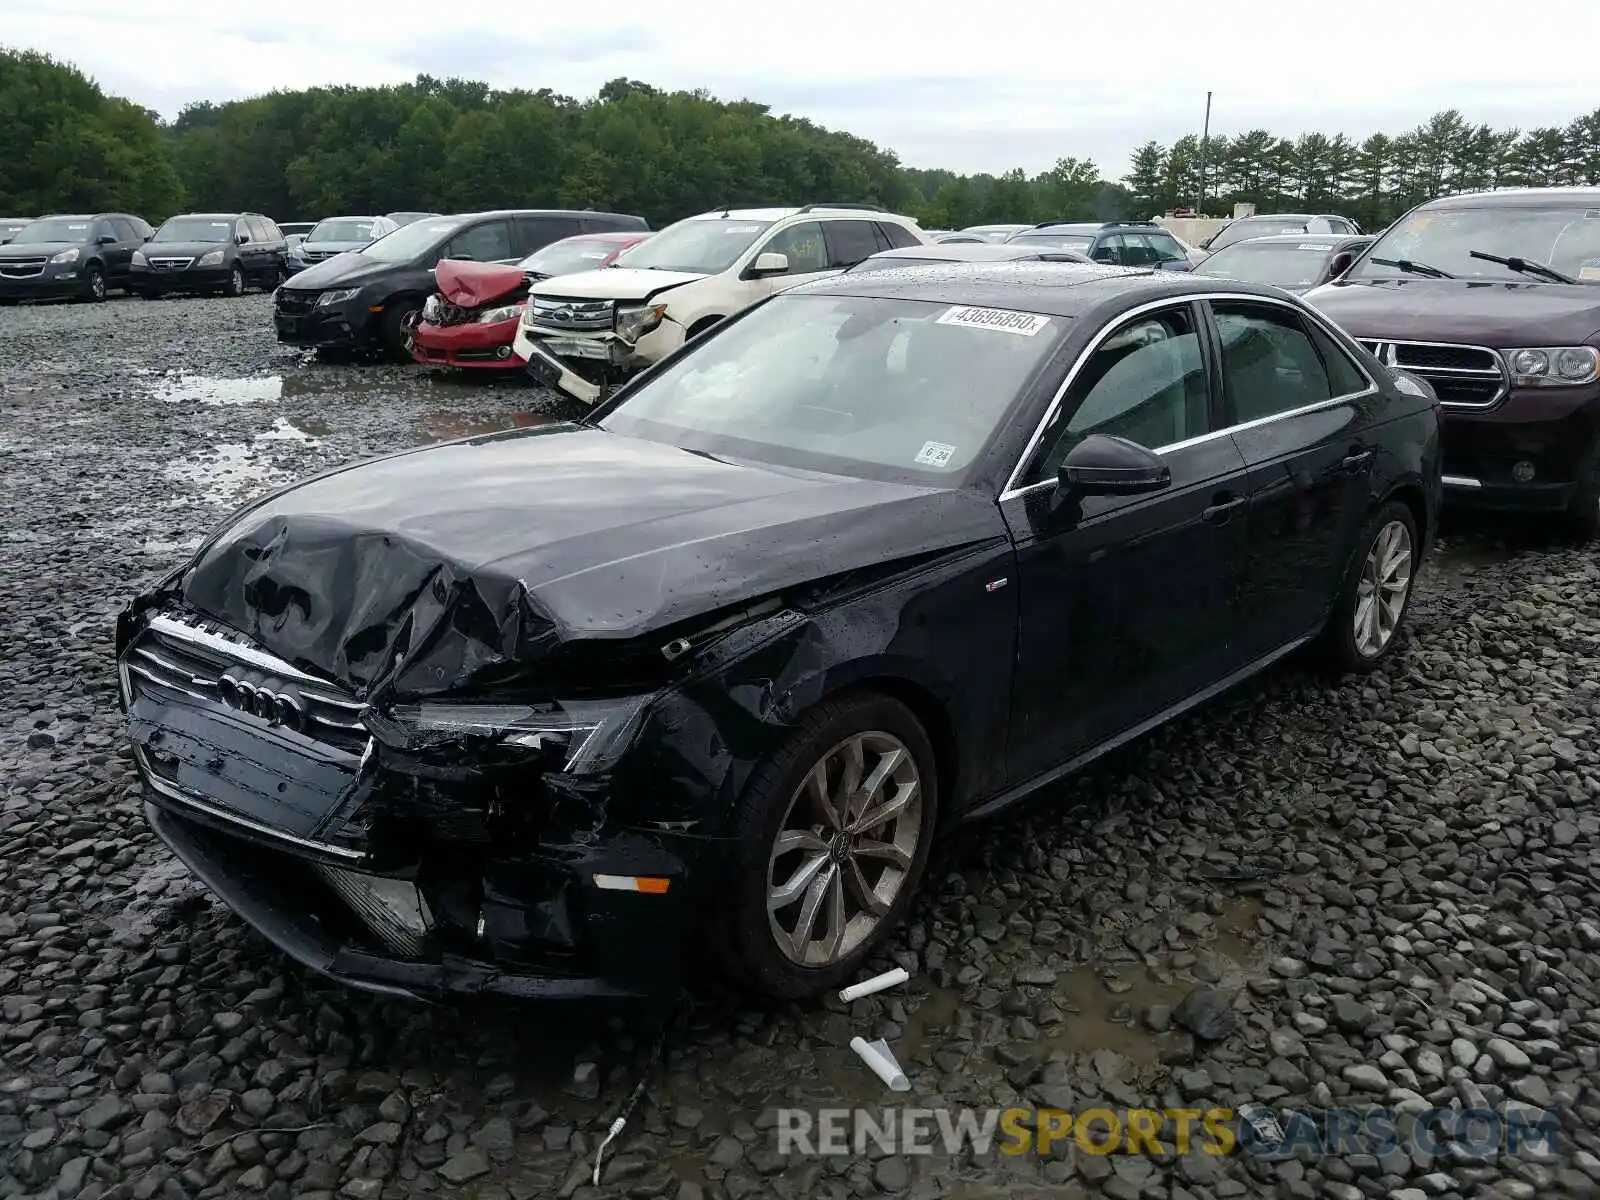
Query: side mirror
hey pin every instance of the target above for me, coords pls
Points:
(1340, 264)
(106, 239)
(1175, 264)
(1101, 465)
(242, 238)
(769, 263)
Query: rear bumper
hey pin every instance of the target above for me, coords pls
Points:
(1552, 433)
(467, 346)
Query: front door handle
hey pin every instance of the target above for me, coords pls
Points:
(1222, 508)
(1355, 461)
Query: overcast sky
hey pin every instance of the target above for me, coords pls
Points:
(980, 89)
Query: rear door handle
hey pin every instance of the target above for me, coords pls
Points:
(1222, 508)
(1352, 463)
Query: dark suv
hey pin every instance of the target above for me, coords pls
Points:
(211, 254)
(81, 256)
(371, 298)
(1115, 243)
(1494, 298)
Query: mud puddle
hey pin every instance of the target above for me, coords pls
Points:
(216, 391)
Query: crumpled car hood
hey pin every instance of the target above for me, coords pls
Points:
(425, 572)
(470, 284)
(614, 283)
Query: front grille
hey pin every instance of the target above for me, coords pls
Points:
(293, 302)
(555, 313)
(22, 268)
(318, 255)
(206, 662)
(1462, 376)
(170, 264)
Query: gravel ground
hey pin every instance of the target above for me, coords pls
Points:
(1393, 882)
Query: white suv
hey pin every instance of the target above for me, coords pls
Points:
(683, 280)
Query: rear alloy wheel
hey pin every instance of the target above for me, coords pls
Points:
(1376, 595)
(236, 281)
(94, 282)
(833, 835)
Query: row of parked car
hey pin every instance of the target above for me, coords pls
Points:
(885, 536)
(89, 255)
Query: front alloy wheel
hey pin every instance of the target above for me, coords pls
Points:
(830, 840)
(845, 848)
(236, 281)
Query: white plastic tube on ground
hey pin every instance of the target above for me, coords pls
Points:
(876, 984)
(880, 1058)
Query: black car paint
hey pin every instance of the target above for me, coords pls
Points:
(1557, 429)
(108, 247)
(384, 287)
(260, 254)
(550, 561)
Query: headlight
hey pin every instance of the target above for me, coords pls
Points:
(338, 296)
(431, 309)
(139, 260)
(211, 258)
(505, 313)
(634, 323)
(589, 735)
(65, 256)
(1552, 366)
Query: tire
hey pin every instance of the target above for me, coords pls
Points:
(1386, 555)
(741, 935)
(236, 281)
(396, 332)
(94, 284)
(1583, 514)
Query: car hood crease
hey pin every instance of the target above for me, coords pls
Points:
(437, 570)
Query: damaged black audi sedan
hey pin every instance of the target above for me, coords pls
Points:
(535, 713)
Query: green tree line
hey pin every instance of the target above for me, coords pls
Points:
(453, 144)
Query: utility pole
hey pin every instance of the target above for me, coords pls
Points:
(1205, 138)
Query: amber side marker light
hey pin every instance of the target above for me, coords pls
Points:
(653, 885)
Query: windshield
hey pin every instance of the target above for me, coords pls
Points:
(411, 241)
(870, 386)
(1282, 264)
(343, 229)
(195, 229)
(54, 229)
(702, 245)
(1054, 241)
(569, 256)
(1565, 238)
(1249, 228)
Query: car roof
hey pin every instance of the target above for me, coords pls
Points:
(1517, 198)
(1065, 227)
(534, 212)
(1322, 239)
(221, 216)
(778, 214)
(962, 252)
(1001, 225)
(609, 235)
(1052, 289)
(351, 217)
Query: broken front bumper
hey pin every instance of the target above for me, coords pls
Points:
(491, 876)
(556, 357)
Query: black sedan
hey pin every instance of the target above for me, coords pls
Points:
(532, 712)
(1296, 262)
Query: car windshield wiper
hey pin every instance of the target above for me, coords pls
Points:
(1411, 268)
(1524, 266)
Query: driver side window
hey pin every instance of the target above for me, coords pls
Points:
(1146, 382)
(482, 243)
(804, 246)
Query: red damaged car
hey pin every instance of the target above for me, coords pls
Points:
(471, 320)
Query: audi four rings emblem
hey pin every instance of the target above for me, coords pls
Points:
(274, 707)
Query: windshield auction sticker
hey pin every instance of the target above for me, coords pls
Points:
(1002, 319)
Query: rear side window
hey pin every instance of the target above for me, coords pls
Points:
(849, 242)
(481, 243)
(898, 236)
(1345, 378)
(269, 230)
(535, 233)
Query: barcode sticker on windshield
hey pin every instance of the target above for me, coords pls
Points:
(1002, 319)
(935, 454)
